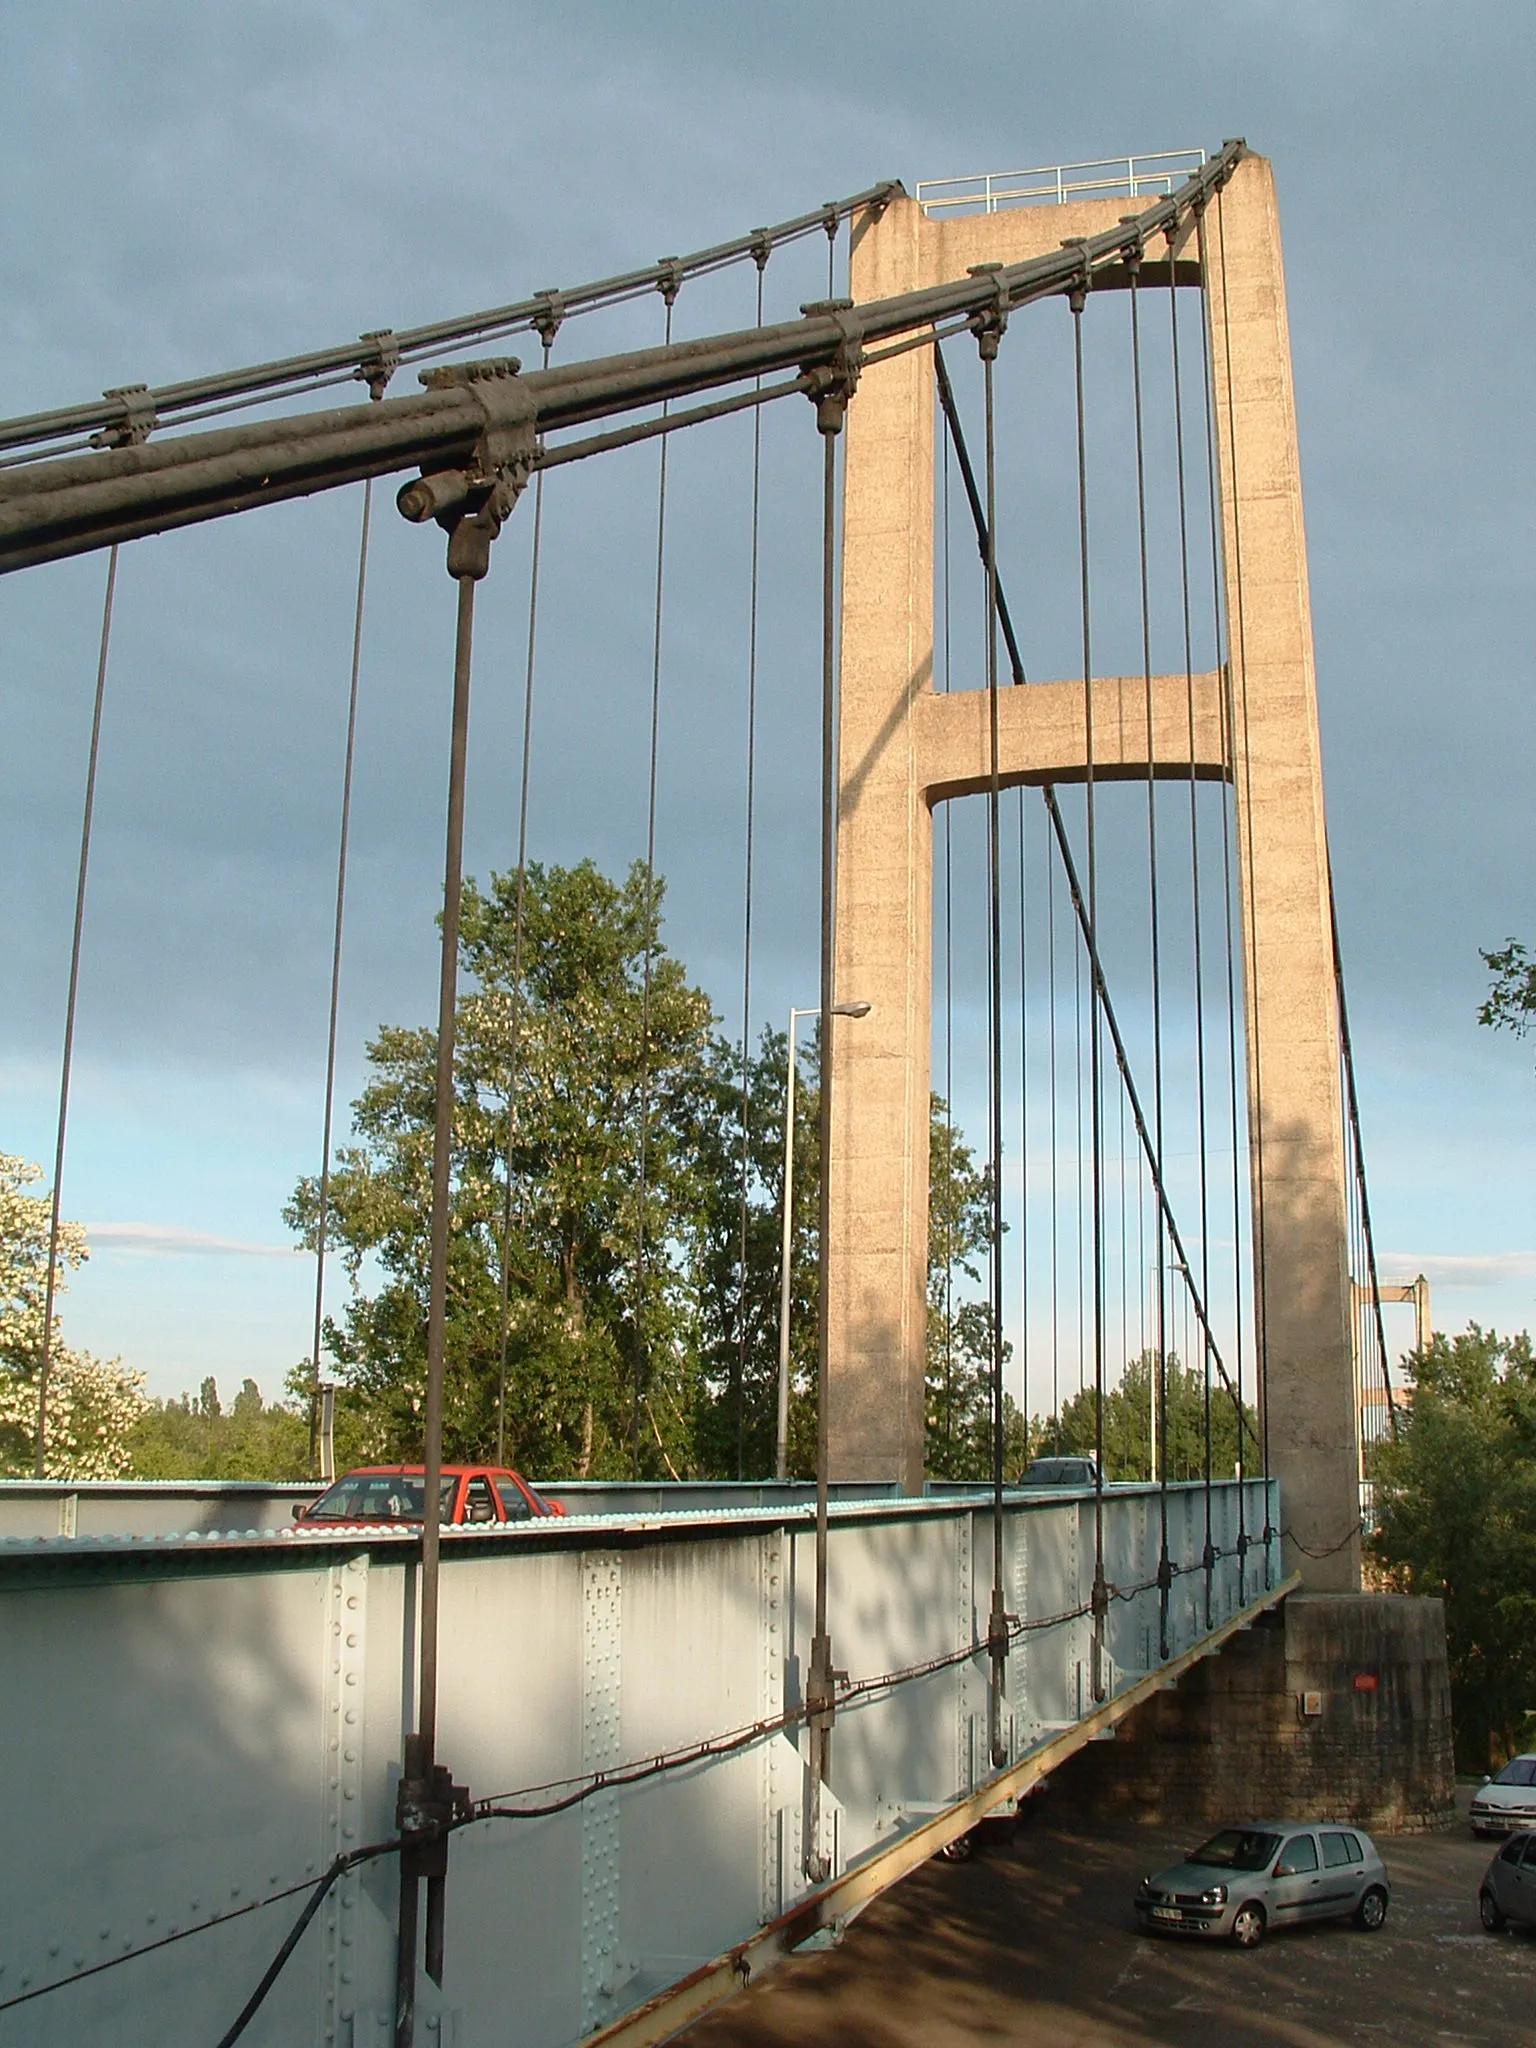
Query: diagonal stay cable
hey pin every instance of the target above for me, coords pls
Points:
(1064, 846)
(66, 1064)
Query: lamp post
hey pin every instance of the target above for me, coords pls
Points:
(781, 1441)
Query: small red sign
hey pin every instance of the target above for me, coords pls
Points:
(1365, 1681)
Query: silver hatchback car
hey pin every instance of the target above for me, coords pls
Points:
(1268, 1873)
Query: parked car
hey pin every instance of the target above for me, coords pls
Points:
(1061, 1472)
(1263, 1874)
(395, 1493)
(1506, 1800)
(1508, 1890)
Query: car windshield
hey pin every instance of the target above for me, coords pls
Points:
(380, 1497)
(1058, 1472)
(1520, 1770)
(1237, 1849)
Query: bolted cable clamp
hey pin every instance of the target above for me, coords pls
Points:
(472, 504)
(1077, 291)
(829, 386)
(138, 422)
(380, 363)
(988, 323)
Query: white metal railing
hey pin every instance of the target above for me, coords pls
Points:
(1054, 184)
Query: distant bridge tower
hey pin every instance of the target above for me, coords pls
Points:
(905, 748)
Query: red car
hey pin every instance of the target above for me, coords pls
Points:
(394, 1493)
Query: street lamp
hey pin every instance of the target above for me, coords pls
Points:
(781, 1455)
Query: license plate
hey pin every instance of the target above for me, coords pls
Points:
(1166, 1913)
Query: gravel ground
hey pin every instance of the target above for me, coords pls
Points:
(1032, 1941)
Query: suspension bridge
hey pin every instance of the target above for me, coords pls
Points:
(728, 1721)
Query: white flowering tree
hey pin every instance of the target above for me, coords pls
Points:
(92, 1403)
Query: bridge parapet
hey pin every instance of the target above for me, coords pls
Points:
(228, 1716)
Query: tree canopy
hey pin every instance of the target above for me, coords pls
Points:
(92, 1403)
(1455, 1499)
(1128, 1424)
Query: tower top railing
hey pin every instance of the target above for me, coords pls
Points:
(1104, 177)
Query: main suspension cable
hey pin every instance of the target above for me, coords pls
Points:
(66, 1063)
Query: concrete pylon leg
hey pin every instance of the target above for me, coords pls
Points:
(1295, 1111)
(877, 1305)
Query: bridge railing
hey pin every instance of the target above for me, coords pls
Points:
(1104, 177)
(196, 1730)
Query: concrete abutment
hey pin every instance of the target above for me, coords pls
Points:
(1331, 1707)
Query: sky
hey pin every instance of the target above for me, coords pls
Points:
(192, 187)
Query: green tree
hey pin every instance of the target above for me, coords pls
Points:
(194, 1437)
(581, 1055)
(1128, 1424)
(960, 1326)
(1511, 1001)
(92, 1402)
(1455, 1498)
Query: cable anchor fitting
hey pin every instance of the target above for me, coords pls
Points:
(669, 280)
(1077, 291)
(829, 386)
(428, 1806)
(472, 504)
(988, 322)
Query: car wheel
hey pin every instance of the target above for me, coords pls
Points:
(1248, 1925)
(1489, 1914)
(959, 1850)
(1372, 1909)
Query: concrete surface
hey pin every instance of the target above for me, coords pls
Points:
(1032, 1942)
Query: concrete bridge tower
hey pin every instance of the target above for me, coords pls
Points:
(905, 748)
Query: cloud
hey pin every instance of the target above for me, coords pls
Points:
(170, 1240)
(1461, 1269)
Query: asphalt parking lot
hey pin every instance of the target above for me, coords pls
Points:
(1032, 1941)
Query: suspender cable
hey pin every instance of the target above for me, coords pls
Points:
(668, 288)
(821, 1684)
(1239, 684)
(949, 1018)
(1050, 954)
(746, 917)
(66, 1063)
(548, 328)
(989, 333)
(1164, 1567)
(1023, 1131)
(1076, 299)
(318, 1463)
(1194, 847)
(1077, 1160)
